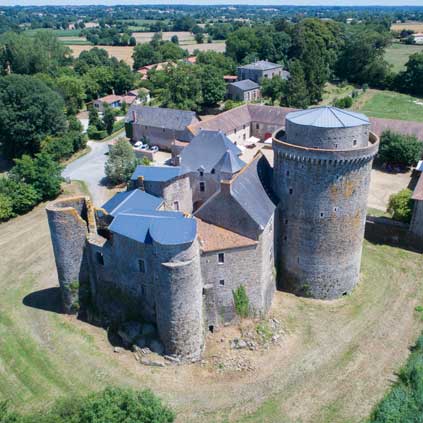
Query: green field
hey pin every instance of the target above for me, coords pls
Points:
(391, 105)
(397, 54)
(57, 32)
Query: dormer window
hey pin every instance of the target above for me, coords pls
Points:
(213, 171)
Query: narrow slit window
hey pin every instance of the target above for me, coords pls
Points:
(141, 266)
(221, 282)
(202, 186)
(221, 258)
(100, 258)
(291, 190)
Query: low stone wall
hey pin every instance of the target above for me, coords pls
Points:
(381, 230)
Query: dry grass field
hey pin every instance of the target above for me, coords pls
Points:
(414, 26)
(125, 53)
(334, 363)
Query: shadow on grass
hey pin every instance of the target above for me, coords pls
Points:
(45, 299)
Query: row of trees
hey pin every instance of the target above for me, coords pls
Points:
(113, 405)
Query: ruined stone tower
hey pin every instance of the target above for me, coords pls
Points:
(322, 164)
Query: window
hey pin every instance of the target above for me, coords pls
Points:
(176, 205)
(100, 258)
(221, 258)
(244, 137)
(141, 265)
(222, 282)
(321, 215)
(285, 238)
(142, 290)
(164, 130)
(243, 126)
(257, 126)
(202, 186)
(235, 131)
(355, 142)
(287, 173)
(291, 190)
(286, 221)
(201, 173)
(213, 171)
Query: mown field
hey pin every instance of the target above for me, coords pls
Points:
(397, 54)
(392, 105)
(334, 364)
(414, 26)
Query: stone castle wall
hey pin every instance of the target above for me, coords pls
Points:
(322, 211)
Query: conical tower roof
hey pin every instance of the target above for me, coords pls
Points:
(229, 163)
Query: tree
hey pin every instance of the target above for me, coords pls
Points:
(225, 64)
(29, 111)
(172, 52)
(241, 43)
(132, 41)
(399, 149)
(6, 212)
(145, 54)
(199, 38)
(175, 39)
(401, 205)
(108, 119)
(410, 80)
(273, 88)
(42, 172)
(121, 162)
(296, 94)
(94, 118)
(123, 78)
(72, 90)
(213, 86)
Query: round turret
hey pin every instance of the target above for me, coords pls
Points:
(322, 165)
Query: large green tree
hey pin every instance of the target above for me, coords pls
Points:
(29, 111)
(145, 54)
(213, 86)
(411, 80)
(399, 149)
(296, 93)
(121, 162)
(71, 88)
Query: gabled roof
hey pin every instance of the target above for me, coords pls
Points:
(245, 85)
(327, 117)
(261, 65)
(109, 99)
(229, 163)
(163, 227)
(159, 117)
(131, 199)
(156, 173)
(205, 150)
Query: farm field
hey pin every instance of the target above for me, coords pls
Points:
(125, 53)
(414, 26)
(334, 363)
(397, 54)
(392, 105)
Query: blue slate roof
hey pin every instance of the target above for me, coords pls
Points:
(156, 173)
(163, 227)
(205, 150)
(132, 199)
(327, 117)
(249, 189)
(245, 85)
(229, 163)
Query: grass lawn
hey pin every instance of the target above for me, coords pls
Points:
(391, 105)
(397, 54)
(57, 32)
(332, 92)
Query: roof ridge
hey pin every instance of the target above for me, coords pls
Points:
(336, 117)
(124, 201)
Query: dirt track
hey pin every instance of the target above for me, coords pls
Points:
(336, 361)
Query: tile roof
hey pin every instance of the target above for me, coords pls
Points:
(245, 85)
(418, 190)
(160, 117)
(205, 150)
(131, 199)
(156, 173)
(215, 238)
(163, 227)
(109, 99)
(327, 117)
(261, 65)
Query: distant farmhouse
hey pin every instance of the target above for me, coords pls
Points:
(245, 90)
(417, 38)
(116, 101)
(172, 249)
(261, 69)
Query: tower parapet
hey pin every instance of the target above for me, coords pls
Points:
(321, 175)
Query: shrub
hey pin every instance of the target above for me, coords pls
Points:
(401, 205)
(241, 301)
(6, 208)
(96, 134)
(121, 162)
(59, 148)
(23, 196)
(344, 103)
(399, 149)
(118, 125)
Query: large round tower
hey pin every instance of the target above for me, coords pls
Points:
(322, 164)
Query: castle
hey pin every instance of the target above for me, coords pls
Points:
(172, 249)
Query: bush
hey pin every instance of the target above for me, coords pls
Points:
(399, 149)
(6, 209)
(121, 162)
(119, 125)
(96, 134)
(23, 196)
(344, 103)
(42, 172)
(113, 405)
(241, 301)
(401, 205)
